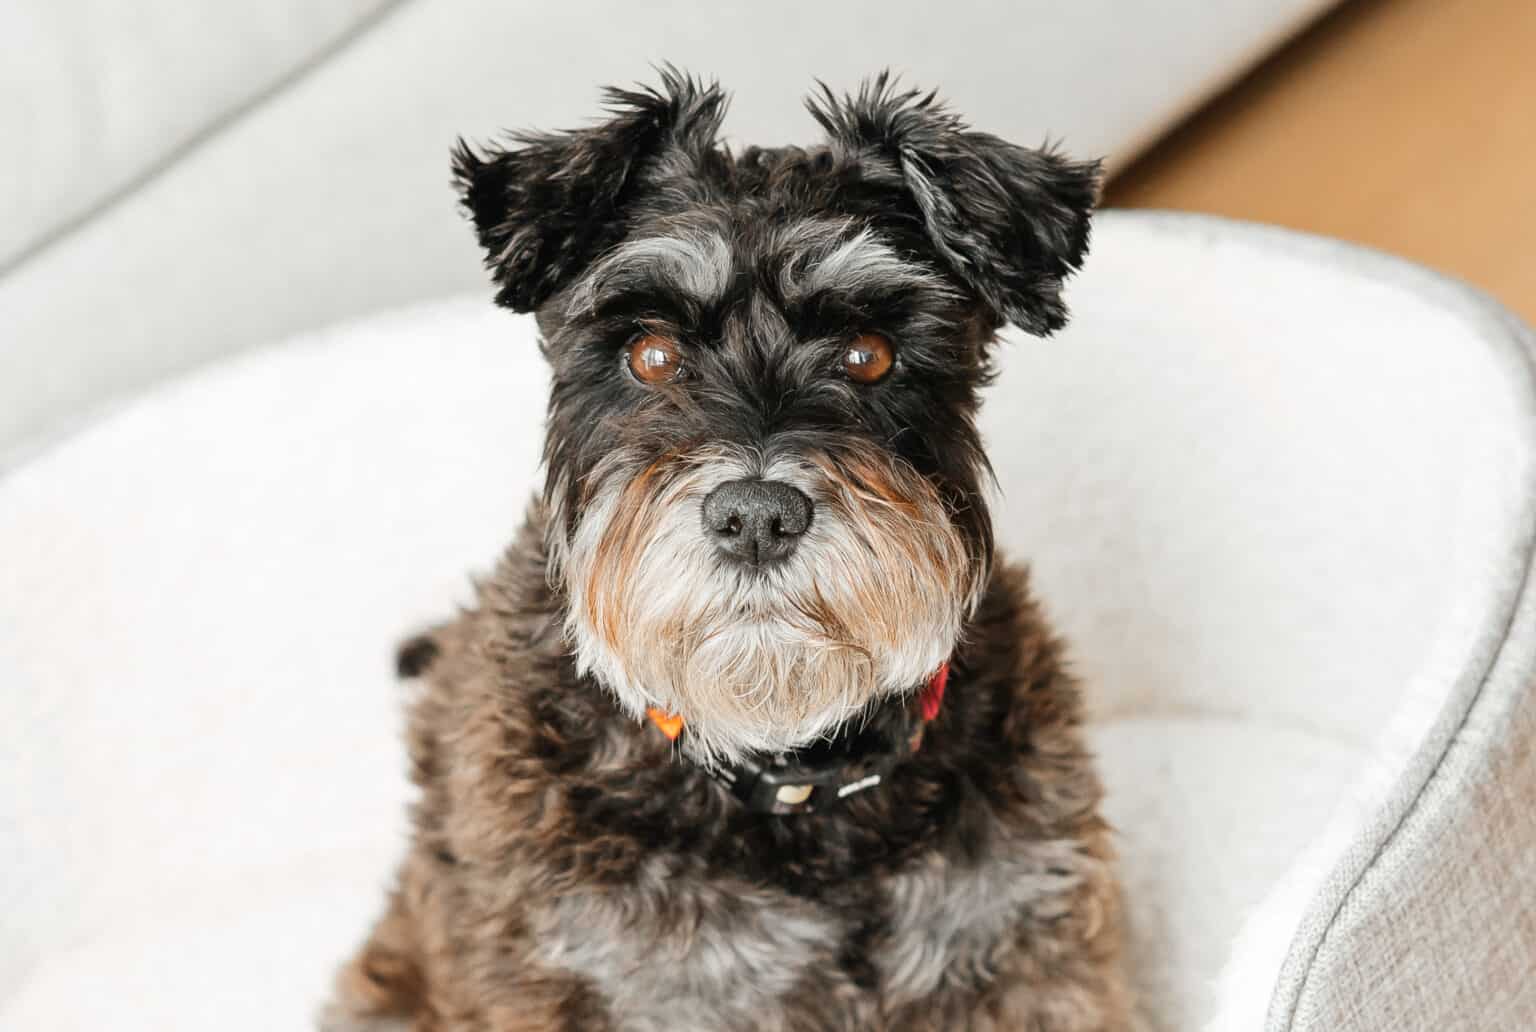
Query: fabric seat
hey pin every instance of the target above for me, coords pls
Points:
(1277, 492)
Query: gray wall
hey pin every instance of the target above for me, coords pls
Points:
(329, 197)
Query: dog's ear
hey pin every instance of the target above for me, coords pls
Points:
(548, 204)
(1010, 222)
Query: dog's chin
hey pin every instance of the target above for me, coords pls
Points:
(762, 681)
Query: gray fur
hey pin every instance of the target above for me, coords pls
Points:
(947, 920)
(714, 956)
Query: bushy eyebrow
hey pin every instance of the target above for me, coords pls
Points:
(695, 264)
(822, 257)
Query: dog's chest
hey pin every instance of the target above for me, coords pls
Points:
(697, 956)
(720, 955)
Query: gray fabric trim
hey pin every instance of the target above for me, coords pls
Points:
(1517, 342)
(1480, 686)
(178, 151)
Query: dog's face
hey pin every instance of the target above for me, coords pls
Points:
(766, 491)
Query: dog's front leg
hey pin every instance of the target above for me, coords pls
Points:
(381, 988)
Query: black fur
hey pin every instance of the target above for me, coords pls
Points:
(1008, 222)
(544, 208)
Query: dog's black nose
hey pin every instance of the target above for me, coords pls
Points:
(756, 521)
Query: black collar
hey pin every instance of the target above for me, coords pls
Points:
(824, 773)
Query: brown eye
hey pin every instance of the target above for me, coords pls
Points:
(868, 358)
(654, 359)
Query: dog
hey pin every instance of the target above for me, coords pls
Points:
(750, 729)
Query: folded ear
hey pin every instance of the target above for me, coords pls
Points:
(547, 205)
(1010, 222)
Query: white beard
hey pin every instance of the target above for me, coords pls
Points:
(870, 604)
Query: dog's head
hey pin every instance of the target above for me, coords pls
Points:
(767, 494)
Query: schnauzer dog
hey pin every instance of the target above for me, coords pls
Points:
(749, 729)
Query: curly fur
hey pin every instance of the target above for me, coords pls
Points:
(568, 872)
(1009, 221)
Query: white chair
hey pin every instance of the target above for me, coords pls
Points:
(1277, 491)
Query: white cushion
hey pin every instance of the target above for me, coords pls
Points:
(332, 198)
(1276, 491)
(1210, 812)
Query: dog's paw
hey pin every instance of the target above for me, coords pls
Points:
(337, 1018)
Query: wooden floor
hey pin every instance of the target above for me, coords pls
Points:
(1408, 125)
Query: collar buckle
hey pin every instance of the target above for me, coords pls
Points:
(781, 785)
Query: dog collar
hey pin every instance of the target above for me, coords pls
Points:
(812, 778)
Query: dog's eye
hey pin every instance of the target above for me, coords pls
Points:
(868, 358)
(654, 359)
